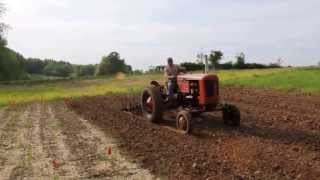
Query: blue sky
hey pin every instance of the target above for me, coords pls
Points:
(146, 32)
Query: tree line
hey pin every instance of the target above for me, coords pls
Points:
(14, 66)
(214, 62)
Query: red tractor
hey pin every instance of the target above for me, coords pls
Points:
(195, 94)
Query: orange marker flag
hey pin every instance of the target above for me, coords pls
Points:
(109, 151)
(55, 163)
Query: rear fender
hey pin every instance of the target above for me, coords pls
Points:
(162, 88)
(155, 83)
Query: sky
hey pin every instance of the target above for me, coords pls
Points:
(146, 32)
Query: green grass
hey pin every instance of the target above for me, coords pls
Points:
(70, 88)
(305, 80)
(287, 79)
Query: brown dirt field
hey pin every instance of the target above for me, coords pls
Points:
(279, 137)
(47, 141)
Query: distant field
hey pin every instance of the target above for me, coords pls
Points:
(287, 79)
(305, 80)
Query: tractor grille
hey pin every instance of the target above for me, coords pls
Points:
(209, 86)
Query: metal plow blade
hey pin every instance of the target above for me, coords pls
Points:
(131, 104)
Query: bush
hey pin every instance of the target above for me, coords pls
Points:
(112, 64)
(85, 70)
(59, 69)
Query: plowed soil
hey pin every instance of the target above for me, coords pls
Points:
(48, 141)
(91, 138)
(279, 137)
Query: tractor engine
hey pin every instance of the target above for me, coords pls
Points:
(198, 90)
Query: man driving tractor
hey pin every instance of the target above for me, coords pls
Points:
(171, 72)
(186, 96)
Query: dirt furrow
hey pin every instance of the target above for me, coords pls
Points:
(5, 116)
(82, 148)
(40, 162)
(34, 162)
(54, 145)
(281, 126)
(27, 158)
(274, 100)
(120, 166)
(13, 139)
(97, 155)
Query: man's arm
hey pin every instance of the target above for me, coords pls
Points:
(181, 69)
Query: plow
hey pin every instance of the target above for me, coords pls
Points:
(194, 95)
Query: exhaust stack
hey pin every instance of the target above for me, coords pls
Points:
(206, 66)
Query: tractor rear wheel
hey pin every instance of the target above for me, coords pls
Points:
(183, 122)
(152, 104)
(231, 115)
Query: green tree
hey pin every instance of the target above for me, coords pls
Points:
(11, 63)
(59, 69)
(240, 61)
(35, 66)
(215, 57)
(85, 70)
(112, 64)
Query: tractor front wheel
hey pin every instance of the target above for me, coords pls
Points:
(183, 122)
(152, 104)
(231, 115)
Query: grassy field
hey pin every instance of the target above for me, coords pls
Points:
(286, 79)
(305, 80)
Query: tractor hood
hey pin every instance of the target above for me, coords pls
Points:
(197, 76)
